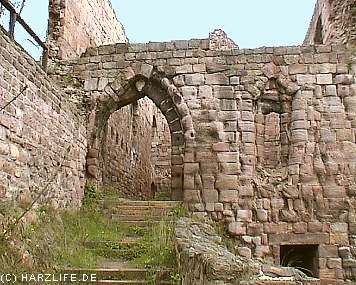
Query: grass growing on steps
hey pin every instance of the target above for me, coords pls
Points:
(159, 243)
(57, 240)
(89, 223)
(154, 247)
(79, 227)
(159, 248)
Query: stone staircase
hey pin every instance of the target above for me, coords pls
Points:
(140, 215)
(124, 276)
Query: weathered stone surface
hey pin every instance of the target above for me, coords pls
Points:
(270, 70)
(244, 215)
(200, 248)
(237, 228)
(344, 79)
(324, 79)
(285, 238)
(210, 196)
(262, 137)
(229, 196)
(203, 258)
(216, 79)
(85, 25)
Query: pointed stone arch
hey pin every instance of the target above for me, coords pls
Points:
(138, 81)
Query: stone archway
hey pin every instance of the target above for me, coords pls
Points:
(139, 81)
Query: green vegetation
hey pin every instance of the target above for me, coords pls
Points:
(78, 228)
(84, 238)
(162, 196)
(32, 242)
(93, 196)
(231, 242)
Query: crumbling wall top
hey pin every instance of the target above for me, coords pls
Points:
(333, 21)
(220, 41)
(76, 25)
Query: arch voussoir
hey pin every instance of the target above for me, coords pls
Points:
(180, 107)
(145, 70)
(133, 83)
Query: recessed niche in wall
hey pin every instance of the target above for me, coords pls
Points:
(303, 257)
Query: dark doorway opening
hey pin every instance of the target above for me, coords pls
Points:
(303, 257)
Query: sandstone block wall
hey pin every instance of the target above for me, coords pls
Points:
(204, 259)
(269, 137)
(73, 27)
(36, 131)
(135, 152)
(76, 25)
(161, 152)
(334, 21)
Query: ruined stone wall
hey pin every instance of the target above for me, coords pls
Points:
(220, 41)
(42, 136)
(127, 163)
(273, 140)
(161, 153)
(76, 25)
(334, 21)
(203, 259)
(73, 27)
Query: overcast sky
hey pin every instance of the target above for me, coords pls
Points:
(250, 23)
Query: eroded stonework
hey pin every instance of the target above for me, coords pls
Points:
(272, 151)
(203, 258)
(42, 134)
(334, 21)
(261, 139)
(76, 25)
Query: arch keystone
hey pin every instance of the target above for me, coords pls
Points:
(143, 69)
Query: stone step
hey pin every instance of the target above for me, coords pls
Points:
(99, 243)
(140, 224)
(162, 204)
(138, 218)
(121, 274)
(138, 210)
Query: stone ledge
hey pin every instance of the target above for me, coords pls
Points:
(203, 44)
(204, 259)
(308, 238)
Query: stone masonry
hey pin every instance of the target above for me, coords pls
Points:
(161, 153)
(136, 153)
(261, 139)
(76, 25)
(203, 259)
(73, 27)
(334, 21)
(42, 135)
